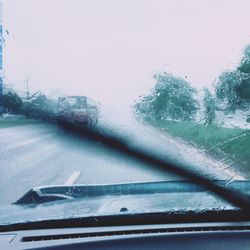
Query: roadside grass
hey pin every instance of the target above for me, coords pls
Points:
(15, 123)
(230, 145)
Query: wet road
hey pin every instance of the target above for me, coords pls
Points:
(42, 154)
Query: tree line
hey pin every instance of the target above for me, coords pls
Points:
(36, 106)
(173, 98)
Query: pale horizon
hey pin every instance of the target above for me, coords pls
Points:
(109, 50)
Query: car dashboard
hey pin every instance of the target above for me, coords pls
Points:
(225, 235)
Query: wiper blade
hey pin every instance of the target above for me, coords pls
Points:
(116, 143)
(54, 193)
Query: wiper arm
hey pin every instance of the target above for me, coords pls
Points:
(45, 194)
(118, 144)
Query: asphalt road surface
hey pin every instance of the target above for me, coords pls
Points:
(42, 154)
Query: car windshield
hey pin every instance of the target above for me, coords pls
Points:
(122, 107)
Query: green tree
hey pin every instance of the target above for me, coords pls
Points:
(39, 106)
(245, 62)
(210, 107)
(11, 102)
(233, 86)
(226, 88)
(171, 98)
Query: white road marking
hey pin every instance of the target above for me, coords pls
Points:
(70, 181)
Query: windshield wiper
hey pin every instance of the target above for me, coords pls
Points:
(45, 194)
(116, 143)
(119, 144)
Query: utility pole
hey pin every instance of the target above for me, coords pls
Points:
(27, 87)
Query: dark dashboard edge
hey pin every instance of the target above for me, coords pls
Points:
(133, 219)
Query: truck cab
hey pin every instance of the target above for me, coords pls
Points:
(77, 110)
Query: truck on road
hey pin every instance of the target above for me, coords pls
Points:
(77, 110)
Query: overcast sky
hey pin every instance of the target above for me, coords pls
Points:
(109, 49)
